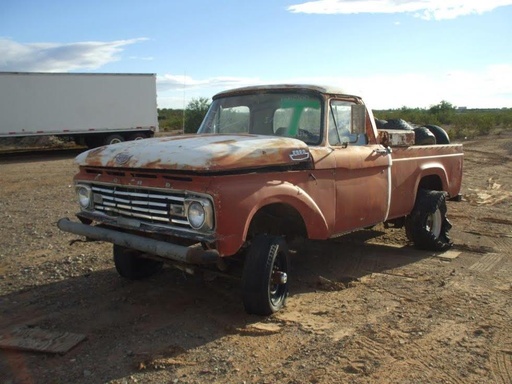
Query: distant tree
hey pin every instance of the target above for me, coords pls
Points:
(443, 106)
(170, 119)
(194, 114)
(444, 112)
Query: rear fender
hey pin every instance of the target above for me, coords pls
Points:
(432, 176)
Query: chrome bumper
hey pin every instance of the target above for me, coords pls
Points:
(194, 254)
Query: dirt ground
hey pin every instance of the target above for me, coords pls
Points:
(363, 308)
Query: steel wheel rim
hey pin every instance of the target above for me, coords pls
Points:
(276, 290)
(434, 223)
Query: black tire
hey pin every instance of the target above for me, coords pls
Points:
(113, 139)
(398, 124)
(131, 265)
(264, 278)
(440, 134)
(93, 142)
(423, 136)
(381, 124)
(427, 226)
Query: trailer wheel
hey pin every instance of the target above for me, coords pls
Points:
(427, 225)
(264, 278)
(129, 264)
(113, 139)
(440, 134)
(93, 142)
(138, 136)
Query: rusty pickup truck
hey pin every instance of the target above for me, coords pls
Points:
(268, 163)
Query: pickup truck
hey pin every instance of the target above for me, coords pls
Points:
(267, 164)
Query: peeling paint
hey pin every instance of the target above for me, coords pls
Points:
(198, 153)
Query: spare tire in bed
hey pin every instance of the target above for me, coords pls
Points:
(440, 134)
(381, 124)
(423, 136)
(398, 124)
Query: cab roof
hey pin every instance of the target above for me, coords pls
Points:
(323, 89)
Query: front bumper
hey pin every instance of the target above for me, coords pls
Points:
(194, 254)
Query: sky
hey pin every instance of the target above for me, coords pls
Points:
(393, 53)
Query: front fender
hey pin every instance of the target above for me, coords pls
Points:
(237, 201)
(296, 197)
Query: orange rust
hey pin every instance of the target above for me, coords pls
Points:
(335, 190)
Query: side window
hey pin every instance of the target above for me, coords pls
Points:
(345, 126)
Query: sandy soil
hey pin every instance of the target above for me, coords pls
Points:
(363, 308)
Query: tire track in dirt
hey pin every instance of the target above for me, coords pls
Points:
(504, 244)
(418, 371)
(501, 358)
(487, 262)
(416, 358)
(486, 158)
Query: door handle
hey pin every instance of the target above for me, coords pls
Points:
(382, 151)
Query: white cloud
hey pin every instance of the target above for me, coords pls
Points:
(176, 91)
(169, 82)
(490, 87)
(425, 9)
(57, 57)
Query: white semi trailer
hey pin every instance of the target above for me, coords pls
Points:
(91, 108)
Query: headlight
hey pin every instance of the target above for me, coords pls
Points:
(196, 215)
(84, 194)
(199, 213)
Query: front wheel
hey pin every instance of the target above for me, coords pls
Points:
(131, 265)
(265, 276)
(427, 225)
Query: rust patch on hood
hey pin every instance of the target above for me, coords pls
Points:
(199, 153)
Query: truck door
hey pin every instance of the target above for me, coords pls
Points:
(362, 173)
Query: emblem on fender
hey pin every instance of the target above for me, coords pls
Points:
(122, 158)
(299, 155)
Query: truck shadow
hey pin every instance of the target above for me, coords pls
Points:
(33, 155)
(131, 324)
(347, 259)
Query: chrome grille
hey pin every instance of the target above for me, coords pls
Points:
(156, 207)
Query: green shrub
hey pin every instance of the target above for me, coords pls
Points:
(459, 123)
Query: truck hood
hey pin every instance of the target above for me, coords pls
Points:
(199, 153)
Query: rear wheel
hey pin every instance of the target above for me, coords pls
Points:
(427, 225)
(265, 276)
(131, 265)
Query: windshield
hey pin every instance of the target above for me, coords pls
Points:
(274, 114)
